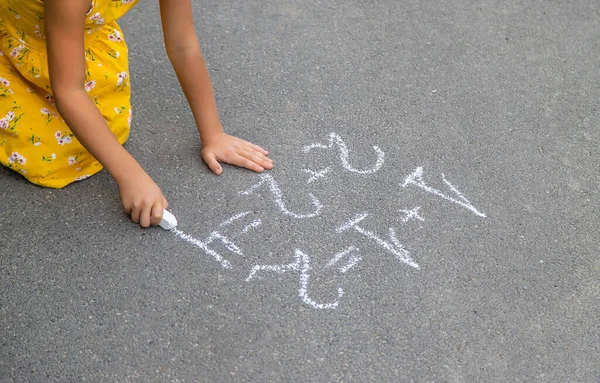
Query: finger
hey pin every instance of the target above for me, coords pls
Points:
(248, 164)
(213, 164)
(145, 216)
(258, 148)
(258, 157)
(156, 212)
(267, 163)
(127, 210)
(135, 214)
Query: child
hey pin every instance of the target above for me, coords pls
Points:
(65, 99)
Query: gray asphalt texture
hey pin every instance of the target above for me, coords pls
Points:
(499, 97)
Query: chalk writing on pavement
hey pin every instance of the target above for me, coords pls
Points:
(298, 263)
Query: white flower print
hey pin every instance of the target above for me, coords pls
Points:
(82, 178)
(97, 18)
(90, 85)
(72, 160)
(4, 82)
(16, 157)
(59, 137)
(122, 76)
(4, 124)
(115, 36)
(10, 115)
(62, 139)
(50, 99)
(53, 155)
(48, 114)
(38, 32)
(16, 50)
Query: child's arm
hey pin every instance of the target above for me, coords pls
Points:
(64, 20)
(184, 52)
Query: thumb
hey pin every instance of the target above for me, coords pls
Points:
(165, 203)
(213, 164)
(156, 213)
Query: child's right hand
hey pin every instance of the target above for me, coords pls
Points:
(142, 199)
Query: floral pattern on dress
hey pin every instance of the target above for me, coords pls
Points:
(34, 140)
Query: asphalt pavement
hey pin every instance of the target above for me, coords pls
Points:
(432, 216)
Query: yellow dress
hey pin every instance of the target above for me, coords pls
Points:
(34, 140)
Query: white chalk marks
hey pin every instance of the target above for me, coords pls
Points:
(416, 179)
(301, 265)
(217, 257)
(334, 140)
(217, 235)
(222, 243)
(315, 175)
(278, 195)
(349, 253)
(411, 215)
(394, 246)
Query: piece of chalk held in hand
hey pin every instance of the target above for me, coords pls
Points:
(168, 221)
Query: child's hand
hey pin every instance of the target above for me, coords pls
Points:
(142, 199)
(234, 151)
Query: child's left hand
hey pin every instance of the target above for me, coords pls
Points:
(234, 151)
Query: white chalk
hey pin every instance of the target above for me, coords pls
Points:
(335, 139)
(274, 189)
(416, 178)
(168, 221)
